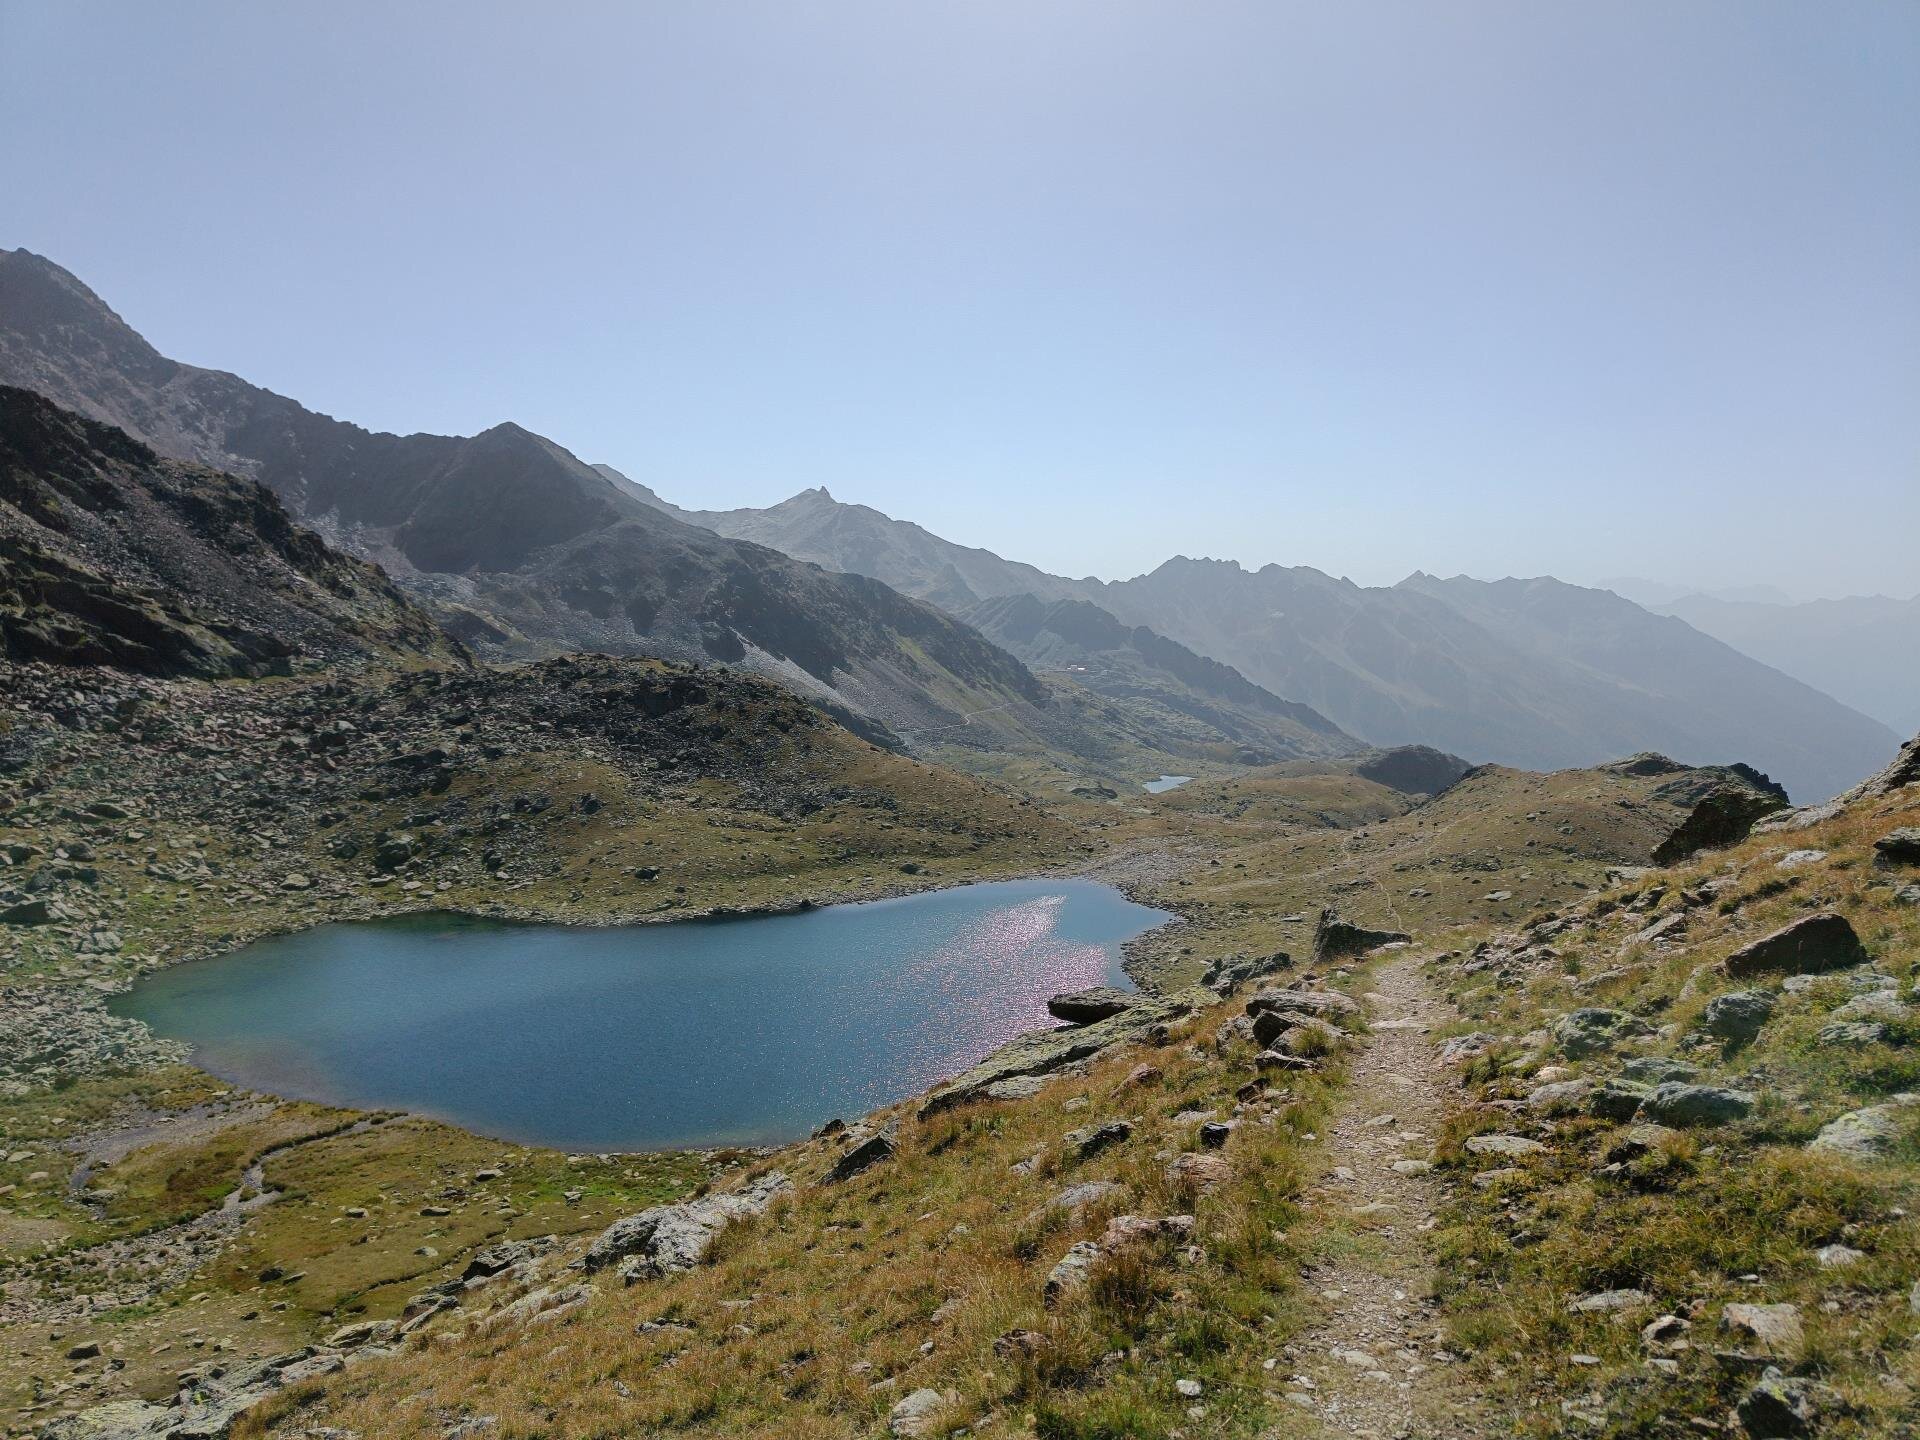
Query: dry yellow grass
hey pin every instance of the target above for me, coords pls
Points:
(815, 1319)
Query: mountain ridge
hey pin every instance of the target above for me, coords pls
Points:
(530, 550)
(111, 555)
(1447, 663)
(523, 550)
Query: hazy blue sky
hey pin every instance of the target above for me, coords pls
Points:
(1594, 289)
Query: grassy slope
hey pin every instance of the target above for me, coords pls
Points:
(1710, 1216)
(844, 1286)
(816, 1319)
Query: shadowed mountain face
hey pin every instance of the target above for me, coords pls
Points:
(1523, 672)
(1133, 666)
(111, 555)
(521, 547)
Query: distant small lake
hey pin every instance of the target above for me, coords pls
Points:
(644, 1037)
(1165, 782)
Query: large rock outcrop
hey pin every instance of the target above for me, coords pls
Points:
(666, 1238)
(1335, 938)
(1724, 816)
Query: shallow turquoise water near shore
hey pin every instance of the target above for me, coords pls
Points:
(645, 1036)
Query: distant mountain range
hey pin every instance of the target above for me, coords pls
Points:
(522, 549)
(1175, 690)
(1657, 594)
(1863, 650)
(1534, 673)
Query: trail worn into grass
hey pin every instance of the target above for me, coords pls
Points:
(1375, 1364)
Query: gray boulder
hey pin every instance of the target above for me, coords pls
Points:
(1335, 938)
(880, 1146)
(1866, 1134)
(1619, 1099)
(1591, 1030)
(1070, 1273)
(1317, 1004)
(28, 912)
(1652, 1069)
(1224, 974)
(665, 1238)
(915, 1414)
(1898, 847)
(1270, 1025)
(1559, 1096)
(1874, 1005)
(1095, 1138)
(1679, 1104)
(1810, 945)
(1786, 1407)
(1724, 816)
(1739, 1015)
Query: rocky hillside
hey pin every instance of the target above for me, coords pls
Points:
(1688, 1155)
(521, 547)
(1213, 704)
(1532, 673)
(111, 555)
(148, 820)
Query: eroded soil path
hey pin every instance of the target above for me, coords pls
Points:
(1376, 1365)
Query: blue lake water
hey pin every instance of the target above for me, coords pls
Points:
(1164, 783)
(645, 1036)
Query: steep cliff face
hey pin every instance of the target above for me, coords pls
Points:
(111, 555)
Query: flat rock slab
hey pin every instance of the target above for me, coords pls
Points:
(1775, 1328)
(1678, 1103)
(1899, 847)
(1808, 946)
(1739, 1015)
(1045, 1052)
(1510, 1146)
(1083, 1007)
(665, 1238)
(1593, 1029)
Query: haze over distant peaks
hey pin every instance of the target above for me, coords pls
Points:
(1527, 672)
(1655, 594)
(1861, 650)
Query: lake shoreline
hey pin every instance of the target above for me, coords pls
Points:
(365, 1021)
